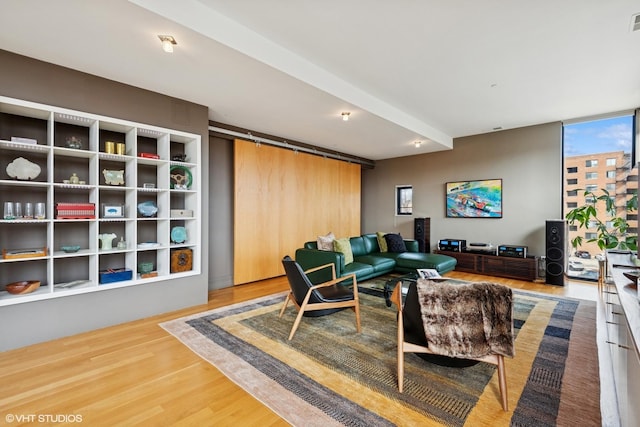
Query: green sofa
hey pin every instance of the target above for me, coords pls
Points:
(368, 261)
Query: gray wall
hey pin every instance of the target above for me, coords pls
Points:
(221, 213)
(29, 79)
(529, 161)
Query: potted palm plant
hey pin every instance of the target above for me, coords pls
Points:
(612, 232)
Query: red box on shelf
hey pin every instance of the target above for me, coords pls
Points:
(149, 155)
(75, 210)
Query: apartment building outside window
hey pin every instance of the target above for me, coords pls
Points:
(597, 156)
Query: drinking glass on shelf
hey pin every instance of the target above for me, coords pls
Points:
(28, 210)
(18, 209)
(8, 211)
(41, 211)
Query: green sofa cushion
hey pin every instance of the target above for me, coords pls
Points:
(379, 263)
(362, 271)
(415, 260)
(358, 246)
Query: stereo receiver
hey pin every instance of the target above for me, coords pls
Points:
(481, 248)
(512, 251)
(454, 245)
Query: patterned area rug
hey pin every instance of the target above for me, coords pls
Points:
(330, 375)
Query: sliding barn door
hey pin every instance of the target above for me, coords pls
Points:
(283, 199)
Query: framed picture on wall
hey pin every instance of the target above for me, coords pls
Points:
(474, 199)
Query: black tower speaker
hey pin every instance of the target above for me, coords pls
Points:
(422, 233)
(556, 251)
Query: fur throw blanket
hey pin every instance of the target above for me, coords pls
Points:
(467, 319)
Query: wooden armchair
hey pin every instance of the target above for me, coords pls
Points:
(321, 299)
(417, 343)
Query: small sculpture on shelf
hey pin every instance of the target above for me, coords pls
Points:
(148, 209)
(113, 177)
(179, 181)
(73, 142)
(73, 179)
(22, 169)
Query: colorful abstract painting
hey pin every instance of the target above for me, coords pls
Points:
(474, 199)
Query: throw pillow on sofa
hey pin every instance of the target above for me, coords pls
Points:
(395, 243)
(382, 242)
(325, 243)
(343, 245)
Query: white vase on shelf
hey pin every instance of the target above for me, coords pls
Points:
(107, 240)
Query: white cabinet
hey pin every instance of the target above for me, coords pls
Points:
(154, 211)
(622, 316)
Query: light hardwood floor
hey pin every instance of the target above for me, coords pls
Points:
(136, 373)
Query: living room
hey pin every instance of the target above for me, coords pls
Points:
(527, 158)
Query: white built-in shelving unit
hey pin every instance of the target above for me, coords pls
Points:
(148, 238)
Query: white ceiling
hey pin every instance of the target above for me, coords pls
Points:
(407, 70)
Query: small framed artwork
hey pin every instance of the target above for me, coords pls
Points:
(112, 211)
(474, 199)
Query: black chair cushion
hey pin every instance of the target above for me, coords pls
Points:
(335, 293)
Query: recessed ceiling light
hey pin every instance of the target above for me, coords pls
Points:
(167, 42)
(345, 115)
(417, 144)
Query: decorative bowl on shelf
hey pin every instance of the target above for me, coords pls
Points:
(178, 234)
(70, 249)
(145, 267)
(181, 178)
(22, 287)
(148, 209)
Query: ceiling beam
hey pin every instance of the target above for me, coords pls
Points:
(208, 22)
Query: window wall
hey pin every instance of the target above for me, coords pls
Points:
(598, 156)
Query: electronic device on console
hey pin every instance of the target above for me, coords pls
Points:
(481, 248)
(512, 251)
(454, 245)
